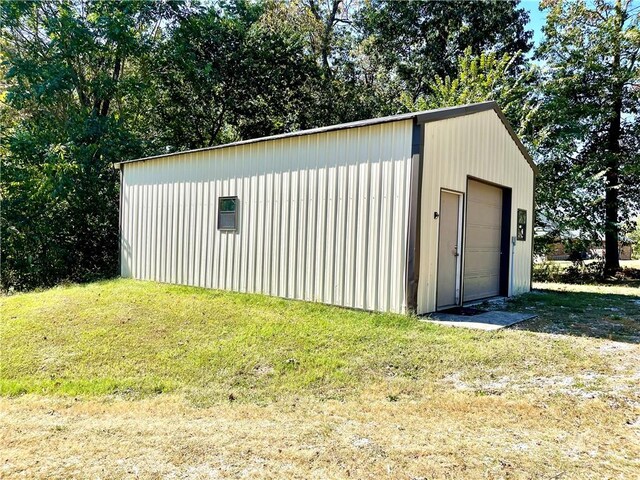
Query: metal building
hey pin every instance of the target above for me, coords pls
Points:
(409, 213)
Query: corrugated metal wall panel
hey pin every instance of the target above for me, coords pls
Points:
(322, 217)
(476, 145)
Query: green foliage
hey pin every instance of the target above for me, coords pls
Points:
(584, 273)
(227, 75)
(70, 75)
(577, 248)
(542, 244)
(88, 83)
(548, 272)
(349, 84)
(417, 41)
(482, 77)
(588, 138)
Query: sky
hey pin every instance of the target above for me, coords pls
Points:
(537, 19)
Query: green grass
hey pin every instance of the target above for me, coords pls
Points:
(583, 310)
(135, 339)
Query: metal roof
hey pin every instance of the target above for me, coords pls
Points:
(419, 117)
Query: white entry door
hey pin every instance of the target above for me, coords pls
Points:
(449, 250)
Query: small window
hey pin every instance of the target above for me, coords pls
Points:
(522, 224)
(228, 213)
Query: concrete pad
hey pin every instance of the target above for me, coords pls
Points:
(483, 321)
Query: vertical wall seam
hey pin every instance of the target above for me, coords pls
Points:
(312, 211)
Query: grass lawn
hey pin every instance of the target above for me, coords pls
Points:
(127, 379)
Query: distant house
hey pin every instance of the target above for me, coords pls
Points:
(625, 250)
(558, 251)
(410, 213)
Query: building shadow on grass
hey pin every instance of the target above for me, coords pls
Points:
(581, 313)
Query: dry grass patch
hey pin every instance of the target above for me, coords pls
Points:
(445, 436)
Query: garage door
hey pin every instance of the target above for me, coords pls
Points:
(482, 245)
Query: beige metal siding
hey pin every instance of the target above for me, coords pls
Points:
(482, 249)
(476, 145)
(322, 217)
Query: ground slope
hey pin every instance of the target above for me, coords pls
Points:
(134, 379)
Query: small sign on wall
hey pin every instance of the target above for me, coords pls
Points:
(522, 224)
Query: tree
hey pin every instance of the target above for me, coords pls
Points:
(71, 82)
(483, 77)
(328, 18)
(590, 101)
(351, 84)
(226, 74)
(417, 41)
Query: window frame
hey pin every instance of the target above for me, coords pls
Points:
(521, 227)
(221, 212)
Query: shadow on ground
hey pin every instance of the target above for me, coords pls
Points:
(581, 313)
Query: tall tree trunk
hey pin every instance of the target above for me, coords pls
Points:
(611, 257)
(327, 31)
(117, 68)
(612, 261)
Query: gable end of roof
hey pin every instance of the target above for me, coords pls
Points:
(453, 112)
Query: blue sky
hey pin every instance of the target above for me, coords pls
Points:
(537, 18)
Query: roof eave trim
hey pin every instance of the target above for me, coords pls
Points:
(453, 112)
(300, 133)
(418, 117)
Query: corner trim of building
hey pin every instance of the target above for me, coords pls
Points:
(413, 228)
(506, 247)
(121, 175)
(532, 229)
